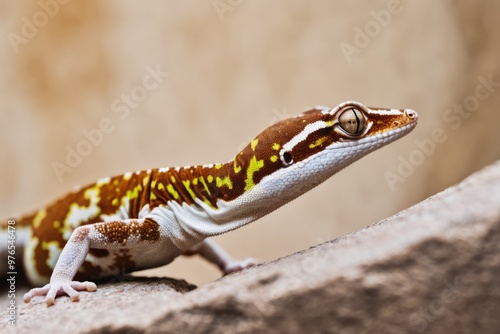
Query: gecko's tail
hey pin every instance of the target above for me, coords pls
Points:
(14, 234)
(15, 230)
(22, 221)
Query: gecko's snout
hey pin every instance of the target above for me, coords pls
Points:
(411, 114)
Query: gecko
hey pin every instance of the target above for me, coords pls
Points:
(145, 219)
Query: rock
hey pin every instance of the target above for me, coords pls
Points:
(130, 303)
(432, 268)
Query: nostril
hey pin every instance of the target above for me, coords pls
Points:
(411, 113)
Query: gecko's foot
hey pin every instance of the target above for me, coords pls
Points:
(52, 290)
(235, 266)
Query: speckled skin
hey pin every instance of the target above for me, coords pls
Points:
(147, 218)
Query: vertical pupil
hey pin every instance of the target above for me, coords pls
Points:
(357, 120)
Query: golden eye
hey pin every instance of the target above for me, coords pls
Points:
(352, 121)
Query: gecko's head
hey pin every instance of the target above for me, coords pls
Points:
(296, 154)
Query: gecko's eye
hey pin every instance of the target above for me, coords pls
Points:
(352, 121)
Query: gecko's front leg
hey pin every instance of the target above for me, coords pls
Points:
(67, 265)
(113, 234)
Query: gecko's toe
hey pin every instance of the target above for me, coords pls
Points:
(26, 298)
(50, 301)
(91, 287)
(236, 266)
(36, 292)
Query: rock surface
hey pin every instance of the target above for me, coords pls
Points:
(432, 268)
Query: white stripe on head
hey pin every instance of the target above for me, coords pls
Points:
(386, 111)
(310, 128)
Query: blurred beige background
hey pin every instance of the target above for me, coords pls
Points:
(235, 67)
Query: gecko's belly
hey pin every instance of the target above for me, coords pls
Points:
(101, 263)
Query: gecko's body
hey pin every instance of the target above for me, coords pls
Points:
(146, 219)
